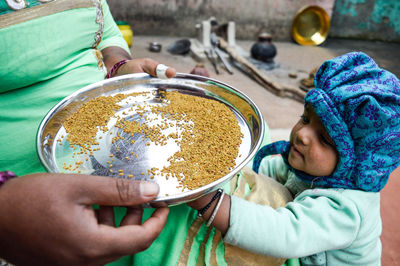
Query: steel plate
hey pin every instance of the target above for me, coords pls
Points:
(54, 151)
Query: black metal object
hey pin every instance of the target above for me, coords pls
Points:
(180, 47)
(263, 49)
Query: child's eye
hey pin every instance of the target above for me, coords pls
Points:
(327, 140)
(305, 119)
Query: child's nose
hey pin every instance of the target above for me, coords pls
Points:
(305, 135)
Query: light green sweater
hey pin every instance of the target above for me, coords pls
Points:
(321, 226)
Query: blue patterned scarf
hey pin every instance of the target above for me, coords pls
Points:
(359, 105)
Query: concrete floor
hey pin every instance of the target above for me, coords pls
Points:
(282, 113)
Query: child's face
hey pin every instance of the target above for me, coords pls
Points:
(312, 149)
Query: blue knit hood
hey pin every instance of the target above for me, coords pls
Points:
(359, 105)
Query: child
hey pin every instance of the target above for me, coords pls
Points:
(340, 155)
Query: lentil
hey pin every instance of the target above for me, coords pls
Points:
(209, 138)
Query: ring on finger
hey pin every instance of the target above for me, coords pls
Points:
(161, 71)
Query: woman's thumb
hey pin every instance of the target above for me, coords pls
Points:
(118, 192)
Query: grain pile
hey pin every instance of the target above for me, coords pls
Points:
(209, 135)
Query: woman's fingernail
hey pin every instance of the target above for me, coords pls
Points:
(149, 188)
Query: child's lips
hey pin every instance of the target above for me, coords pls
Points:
(296, 151)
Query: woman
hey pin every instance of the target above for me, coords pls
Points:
(49, 49)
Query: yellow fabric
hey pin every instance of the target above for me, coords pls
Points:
(193, 231)
(265, 190)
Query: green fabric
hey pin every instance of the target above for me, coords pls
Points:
(292, 262)
(221, 254)
(42, 67)
(209, 246)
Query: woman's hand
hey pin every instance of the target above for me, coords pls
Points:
(112, 55)
(141, 65)
(48, 219)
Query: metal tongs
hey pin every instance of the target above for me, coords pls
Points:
(211, 57)
(215, 50)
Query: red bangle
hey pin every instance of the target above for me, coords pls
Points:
(4, 176)
(115, 68)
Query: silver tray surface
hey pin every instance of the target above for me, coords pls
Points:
(54, 151)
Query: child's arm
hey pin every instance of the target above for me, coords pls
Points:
(271, 166)
(318, 220)
(221, 220)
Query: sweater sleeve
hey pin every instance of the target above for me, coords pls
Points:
(318, 220)
(275, 168)
(111, 34)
